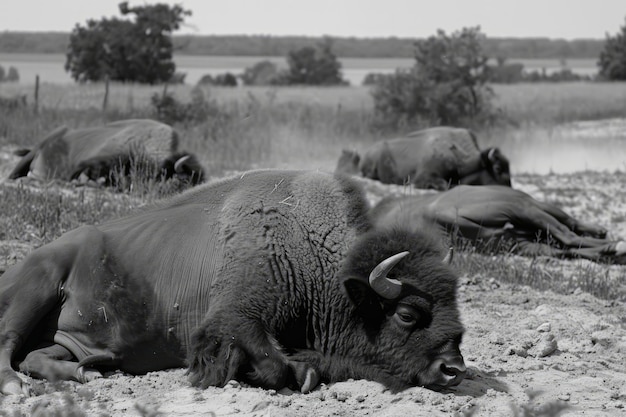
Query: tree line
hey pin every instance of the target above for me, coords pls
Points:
(346, 47)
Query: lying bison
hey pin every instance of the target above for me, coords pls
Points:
(110, 152)
(502, 219)
(438, 158)
(275, 278)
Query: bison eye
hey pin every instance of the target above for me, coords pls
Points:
(406, 316)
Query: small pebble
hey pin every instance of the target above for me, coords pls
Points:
(546, 346)
(544, 328)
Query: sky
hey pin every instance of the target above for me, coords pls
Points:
(557, 19)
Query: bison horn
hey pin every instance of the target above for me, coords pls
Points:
(448, 258)
(386, 287)
(179, 163)
(491, 154)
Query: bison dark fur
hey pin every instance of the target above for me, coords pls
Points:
(109, 154)
(114, 170)
(439, 158)
(495, 218)
(273, 278)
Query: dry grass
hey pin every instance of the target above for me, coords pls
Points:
(548, 104)
(299, 127)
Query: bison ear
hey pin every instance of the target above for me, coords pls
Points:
(364, 299)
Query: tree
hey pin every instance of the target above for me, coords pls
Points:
(13, 75)
(612, 60)
(314, 66)
(126, 50)
(261, 73)
(446, 86)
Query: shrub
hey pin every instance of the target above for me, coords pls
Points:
(447, 85)
(506, 73)
(206, 79)
(169, 110)
(261, 73)
(612, 60)
(225, 80)
(11, 76)
(372, 78)
(313, 66)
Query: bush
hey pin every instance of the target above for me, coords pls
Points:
(563, 75)
(225, 80)
(506, 73)
(11, 76)
(313, 66)
(169, 110)
(612, 60)
(447, 85)
(261, 73)
(408, 99)
(372, 78)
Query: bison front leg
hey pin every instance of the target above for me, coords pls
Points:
(10, 383)
(245, 351)
(28, 291)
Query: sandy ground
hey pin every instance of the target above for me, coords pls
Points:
(526, 350)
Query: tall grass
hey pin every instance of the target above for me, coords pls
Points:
(264, 126)
(289, 127)
(547, 104)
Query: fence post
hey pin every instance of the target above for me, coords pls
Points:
(105, 102)
(37, 93)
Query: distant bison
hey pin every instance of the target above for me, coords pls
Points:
(274, 277)
(497, 218)
(106, 153)
(437, 158)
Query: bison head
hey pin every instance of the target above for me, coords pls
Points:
(497, 165)
(348, 162)
(183, 166)
(407, 321)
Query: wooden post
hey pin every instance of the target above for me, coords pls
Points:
(105, 102)
(37, 93)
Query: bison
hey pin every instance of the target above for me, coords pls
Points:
(107, 153)
(437, 158)
(498, 218)
(275, 278)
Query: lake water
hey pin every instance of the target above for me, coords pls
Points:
(50, 67)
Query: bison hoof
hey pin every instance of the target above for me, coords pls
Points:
(87, 374)
(16, 388)
(214, 361)
(306, 376)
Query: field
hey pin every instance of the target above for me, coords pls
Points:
(567, 145)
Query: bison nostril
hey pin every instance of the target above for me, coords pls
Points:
(454, 371)
(451, 369)
(448, 371)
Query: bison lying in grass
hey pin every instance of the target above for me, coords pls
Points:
(275, 278)
(437, 158)
(496, 218)
(109, 154)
